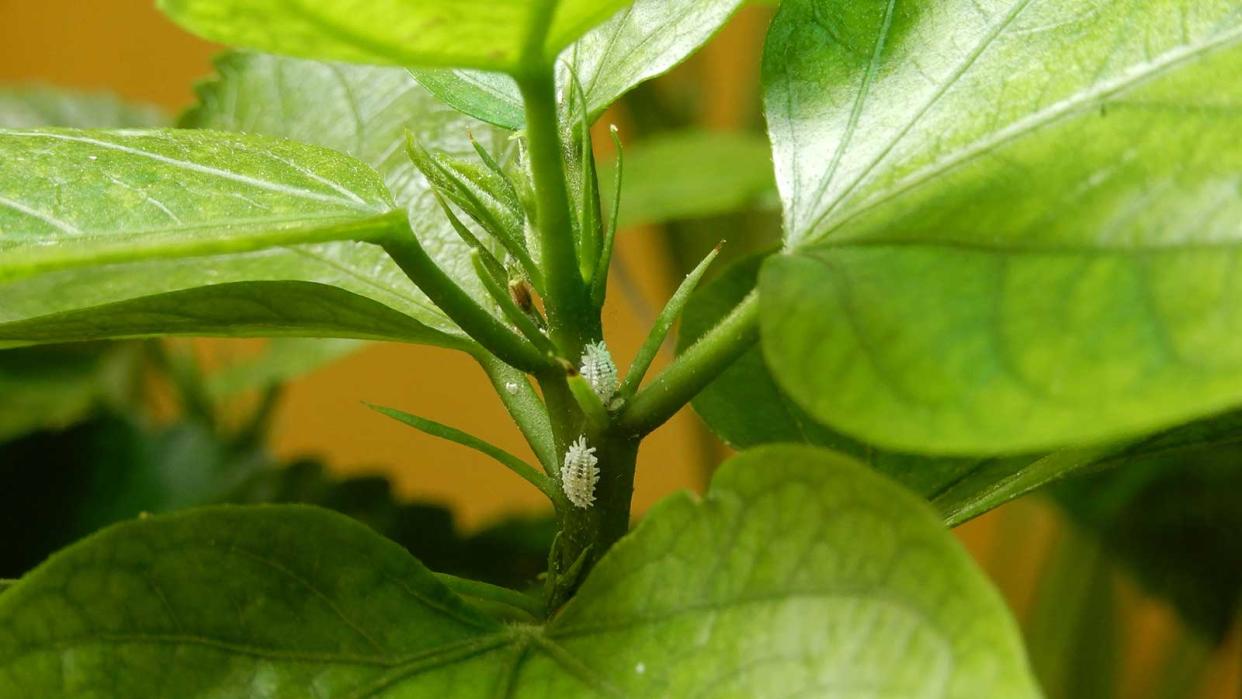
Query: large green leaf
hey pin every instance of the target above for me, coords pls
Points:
(365, 112)
(642, 41)
(332, 289)
(257, 602)
(121, 203)
(1012, 223)
(483, 34)
(800, 574)
(747, 408)
(692, 174)
(72, 198)
(27, 107)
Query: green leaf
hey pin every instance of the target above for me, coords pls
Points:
(505, 36)
(642, 41)
(364, 112)
(799, 573)
(74, 198)
(452, 434)
(492, 97)
(747, 408)
(125, 201)
(29, 106)
(692, 174)
(794, 555)
(259, 602)
(333, 289)
(1012, 224)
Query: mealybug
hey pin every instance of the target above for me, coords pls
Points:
(580, 474)
(599, 371)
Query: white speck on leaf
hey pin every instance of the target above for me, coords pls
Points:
(511, 387)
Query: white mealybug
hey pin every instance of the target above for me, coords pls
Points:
(599, 371)
(580, 474)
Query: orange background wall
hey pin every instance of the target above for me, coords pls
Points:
(127, 47)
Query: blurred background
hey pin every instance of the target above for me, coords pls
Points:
(1137, 600)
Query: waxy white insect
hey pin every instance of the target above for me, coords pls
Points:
(599, 370)
(580, 474)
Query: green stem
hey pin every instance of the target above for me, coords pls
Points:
(485, 328)
(587, 534)
(571, 316)
(659, 330)
(500, 294)
(693, 370)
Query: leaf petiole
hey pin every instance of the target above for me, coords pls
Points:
(663, 323)
(694, 369)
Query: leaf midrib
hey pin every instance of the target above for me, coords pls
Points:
(118, 248)
(352, 202)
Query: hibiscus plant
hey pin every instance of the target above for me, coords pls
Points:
(1009, 253)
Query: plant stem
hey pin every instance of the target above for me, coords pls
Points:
(663, 323)
(485, 328)
(693, 370)
(571, 316)
(587, 534)
(492, 593)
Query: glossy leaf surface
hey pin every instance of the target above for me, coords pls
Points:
(1011, 223)
(642, 41)
(119, 204)
(506, 35)
(800, 572)
(365, 112)
(281, 291)
(747, 408)
(72, 198)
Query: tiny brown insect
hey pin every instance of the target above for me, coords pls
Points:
(520, 292)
